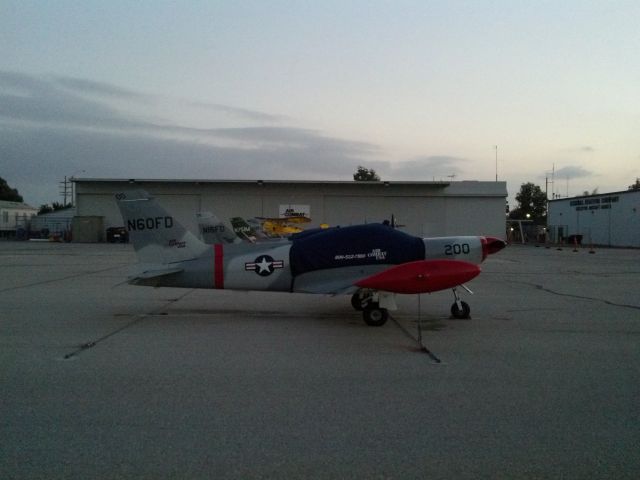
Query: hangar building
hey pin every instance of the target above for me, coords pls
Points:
(611, 219)
(422, 208)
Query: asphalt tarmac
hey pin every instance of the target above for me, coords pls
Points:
(100, 379)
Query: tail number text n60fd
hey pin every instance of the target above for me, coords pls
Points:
(149, 223)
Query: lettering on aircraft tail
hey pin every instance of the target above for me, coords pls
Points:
(149, 223)
(214, 229)
(176, 244)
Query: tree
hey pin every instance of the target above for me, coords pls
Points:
(45, 208)
(54, 207)
(593, 192)
(8, 193)
(365, 175)
(635, 186)
(532, 201)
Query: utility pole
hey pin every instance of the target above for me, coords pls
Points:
(496, 162)
(546, 187)
(65, 190)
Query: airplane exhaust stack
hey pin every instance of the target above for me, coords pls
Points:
(491, 245)
(422, 276)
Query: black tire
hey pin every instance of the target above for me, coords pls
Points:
(460, 313)
(356, 302)
(375, 317)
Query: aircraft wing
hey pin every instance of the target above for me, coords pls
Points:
(420, 276)
(335, 281)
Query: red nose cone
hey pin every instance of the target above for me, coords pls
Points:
(491, 245)
(422, 276)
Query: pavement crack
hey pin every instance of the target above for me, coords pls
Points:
(581, 297)
(60, 279)
(137, 319)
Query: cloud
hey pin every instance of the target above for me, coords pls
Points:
(81, 103)
(239, 113)
(46, 154)
(56, 126)
(425, 168)
(572, 171)
(52, 126)
(89, 87)
(32, 99)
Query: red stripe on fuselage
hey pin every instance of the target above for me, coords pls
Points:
(218, 273)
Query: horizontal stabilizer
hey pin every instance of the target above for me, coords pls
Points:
(143, 277)
(422, 276)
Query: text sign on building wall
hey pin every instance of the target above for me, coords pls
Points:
(287, 211)
(593, 203)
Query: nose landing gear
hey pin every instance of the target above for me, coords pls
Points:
(460, 309)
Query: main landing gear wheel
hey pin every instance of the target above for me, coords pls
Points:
(375, 316)
(356, 302)
(461, 313)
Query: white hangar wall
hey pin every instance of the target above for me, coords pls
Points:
(424, 208)
(611, 219)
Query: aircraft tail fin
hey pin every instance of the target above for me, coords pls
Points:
(156, 235)
(243, 230)
(213, 230)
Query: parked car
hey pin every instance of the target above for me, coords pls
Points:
(117, 235)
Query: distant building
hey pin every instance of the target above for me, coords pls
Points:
(14, 217)
(421, 208)
(55, 224)
(611, 219)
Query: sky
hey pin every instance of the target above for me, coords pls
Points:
(306, 90)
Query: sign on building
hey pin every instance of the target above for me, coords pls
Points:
(290, 210)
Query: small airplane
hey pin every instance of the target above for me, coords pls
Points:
(280, 227)
(261, 228)
(212, 230)
(248, 230)
(371, 262)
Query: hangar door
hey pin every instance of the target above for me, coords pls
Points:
(421, 216)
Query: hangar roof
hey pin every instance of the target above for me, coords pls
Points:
(595, 195)
(464, 188)
(313, 182)
(7, 205)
